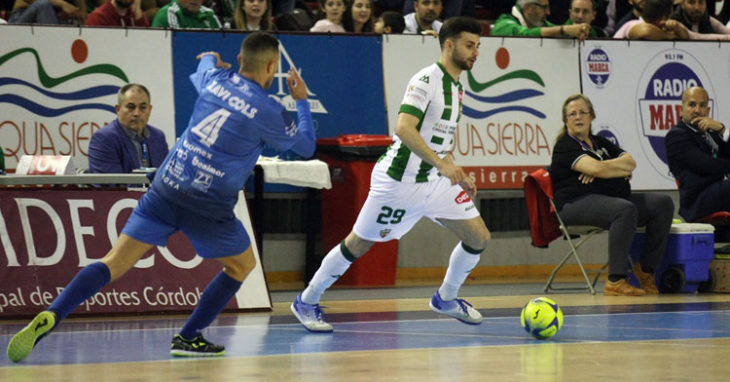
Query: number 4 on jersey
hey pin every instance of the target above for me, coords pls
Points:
(207, 129)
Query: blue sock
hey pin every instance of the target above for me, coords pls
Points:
(215, 297)
(84, 285)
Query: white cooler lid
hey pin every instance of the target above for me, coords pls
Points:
(686, 228)
(691, 227)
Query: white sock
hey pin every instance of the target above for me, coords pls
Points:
(461, 264)
(332, 267)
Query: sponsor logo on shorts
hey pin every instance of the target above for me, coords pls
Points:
(462, 198)
(385, 232)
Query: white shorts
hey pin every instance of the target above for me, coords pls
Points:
(393, 208)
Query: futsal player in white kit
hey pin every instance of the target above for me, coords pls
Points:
(417, 177)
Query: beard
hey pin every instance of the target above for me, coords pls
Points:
(694, 17)
(462, 63)
(429, 17)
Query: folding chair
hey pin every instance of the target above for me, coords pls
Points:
(546, 226)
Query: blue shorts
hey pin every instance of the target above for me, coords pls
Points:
(155, 219)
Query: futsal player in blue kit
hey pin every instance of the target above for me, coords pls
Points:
(196, 189)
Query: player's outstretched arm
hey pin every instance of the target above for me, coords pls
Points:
(218, 62)
(297, 86)
(208, 60)
(305, 138)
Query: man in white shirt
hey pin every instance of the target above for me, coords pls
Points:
(425, 19)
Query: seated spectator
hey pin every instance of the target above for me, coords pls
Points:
(693, 15)
(390, 22)
(699, 157)
(333, 11)
(584, 12)
(655, 24)
(253, 15)
(358, 17)
(424, 20)
(119, 13)
(528, 19)
(128, 142)
(45, 11)
(182, 14)
(591, 185)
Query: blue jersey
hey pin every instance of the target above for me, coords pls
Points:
(232, 120)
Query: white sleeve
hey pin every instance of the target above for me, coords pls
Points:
(418, 95)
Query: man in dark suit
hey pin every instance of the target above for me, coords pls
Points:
(128, 142)
(699, 158)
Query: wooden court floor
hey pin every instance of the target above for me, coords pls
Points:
(657, 338)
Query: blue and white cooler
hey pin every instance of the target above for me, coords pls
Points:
(686, 263)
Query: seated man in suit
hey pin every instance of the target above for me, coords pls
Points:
(128, 142)
(699, 158)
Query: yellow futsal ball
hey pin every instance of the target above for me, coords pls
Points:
(541, 317)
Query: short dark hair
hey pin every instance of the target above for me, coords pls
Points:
(124, 89)
(454, 26)
(655, 10)
(394, 20)
(254, 49)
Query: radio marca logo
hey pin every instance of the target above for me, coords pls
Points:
(659, 96)
(598, 66)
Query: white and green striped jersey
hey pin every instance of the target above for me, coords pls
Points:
(435, 98)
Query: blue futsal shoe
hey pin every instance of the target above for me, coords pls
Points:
(310, 315)
(456, 308)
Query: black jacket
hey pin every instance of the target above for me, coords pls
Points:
(692, 163)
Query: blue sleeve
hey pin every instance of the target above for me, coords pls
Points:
(304, 140)
(282, 133)
(104, 156)
(199, 78)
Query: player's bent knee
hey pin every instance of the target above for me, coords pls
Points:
(123, 255)
(357, 245)
(239, 267)
(480, 239)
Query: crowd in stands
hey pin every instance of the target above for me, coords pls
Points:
(666, 19)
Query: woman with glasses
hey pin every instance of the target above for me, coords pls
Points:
(590, 177)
